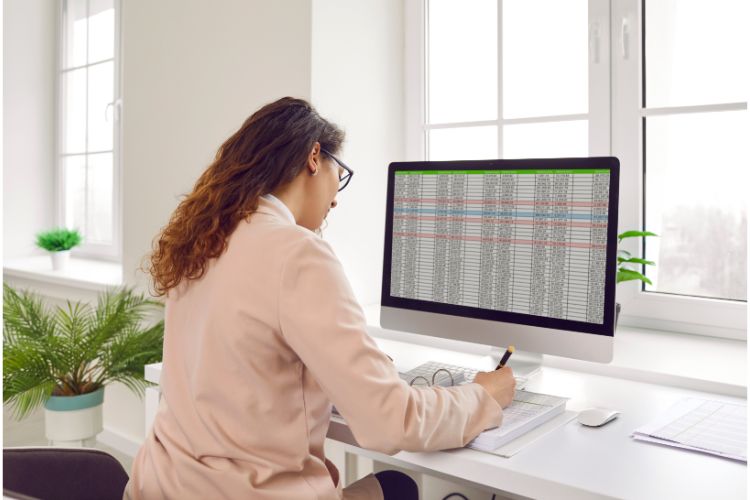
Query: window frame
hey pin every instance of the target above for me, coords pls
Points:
(662, 311)
(112, 252)
(615, 116)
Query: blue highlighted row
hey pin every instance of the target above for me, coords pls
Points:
(480, 213)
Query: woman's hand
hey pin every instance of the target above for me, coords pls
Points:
(500, 384)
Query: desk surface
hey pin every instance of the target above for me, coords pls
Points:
(573, 461)
(576, 461)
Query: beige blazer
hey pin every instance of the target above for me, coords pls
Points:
(255, 352)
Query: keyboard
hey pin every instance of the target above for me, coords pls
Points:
(460, 375)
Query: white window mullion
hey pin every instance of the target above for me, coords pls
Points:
(433, 126)
(549, 119)
(500, 115)
(534, 119)
(87, 65)
(703, 108)
(626, 135)
(63, 155)
(117, 184)
(86, 134)
(415, 79)
(599, 78)
(59, 170)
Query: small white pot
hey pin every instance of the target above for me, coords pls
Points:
(74, 421)
(60, 260)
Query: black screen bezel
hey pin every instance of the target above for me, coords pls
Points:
(606, 162)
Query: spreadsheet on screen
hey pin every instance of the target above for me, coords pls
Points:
(524, 241)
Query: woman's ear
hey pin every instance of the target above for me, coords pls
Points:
(313, 159)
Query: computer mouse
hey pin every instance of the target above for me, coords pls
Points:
(595, 417)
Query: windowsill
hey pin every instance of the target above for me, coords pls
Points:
(676, 359)
(685, 360)
(79, 273)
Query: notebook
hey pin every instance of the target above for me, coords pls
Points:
(527, 411)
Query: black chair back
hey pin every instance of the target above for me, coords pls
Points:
(63, 473)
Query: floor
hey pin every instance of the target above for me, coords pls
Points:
(30, 432)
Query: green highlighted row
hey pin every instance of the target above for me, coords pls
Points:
(501, 172)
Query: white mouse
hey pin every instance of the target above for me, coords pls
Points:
(595, 417)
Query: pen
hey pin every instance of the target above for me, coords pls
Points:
(506, 356)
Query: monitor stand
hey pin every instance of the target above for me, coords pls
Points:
(524, 364)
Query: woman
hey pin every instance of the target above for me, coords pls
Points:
(263, 333)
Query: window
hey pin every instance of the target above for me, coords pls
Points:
(88, 141)
(679, 123)
(694, 136)
(541, 78)
(496, 87)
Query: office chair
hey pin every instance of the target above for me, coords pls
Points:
(62, 473)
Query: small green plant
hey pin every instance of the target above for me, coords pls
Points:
(76, 349)
(624, 259)
(58, 240)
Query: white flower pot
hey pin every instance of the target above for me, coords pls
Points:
(60, 260)
(73, 421)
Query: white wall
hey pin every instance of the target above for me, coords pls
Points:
(192, 72)
(29, 100)
(357, 82)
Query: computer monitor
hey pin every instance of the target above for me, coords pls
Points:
(504, 252)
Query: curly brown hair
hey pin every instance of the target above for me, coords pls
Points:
(268, 151)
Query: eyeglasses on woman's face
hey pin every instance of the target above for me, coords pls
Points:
(346, 175)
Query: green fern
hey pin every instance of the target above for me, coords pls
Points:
(58, 240)
(75, 349)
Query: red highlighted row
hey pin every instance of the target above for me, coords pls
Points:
(495, 220)
(511, 241)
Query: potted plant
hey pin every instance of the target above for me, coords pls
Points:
(625, 261)
(58, 242)
(64, 358)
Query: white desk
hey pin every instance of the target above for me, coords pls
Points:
(574, 461)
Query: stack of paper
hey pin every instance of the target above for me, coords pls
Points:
(528, 410)
(714, 427)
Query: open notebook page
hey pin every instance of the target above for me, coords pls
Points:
(527, 411)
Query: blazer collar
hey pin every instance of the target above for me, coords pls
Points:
(270, 205)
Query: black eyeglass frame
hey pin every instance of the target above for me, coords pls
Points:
(349, 172)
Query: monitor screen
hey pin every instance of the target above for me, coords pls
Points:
(522, 241)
